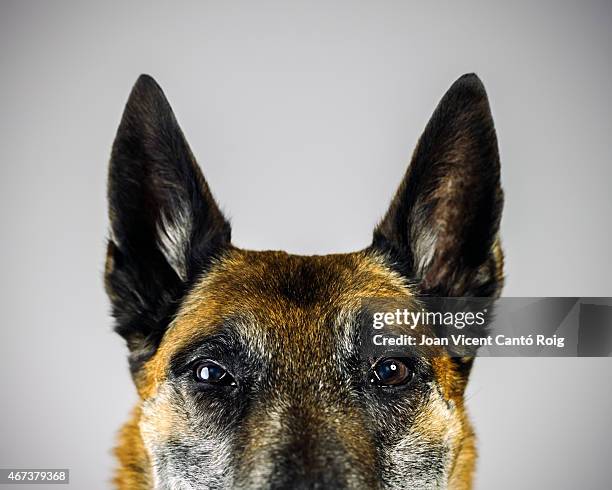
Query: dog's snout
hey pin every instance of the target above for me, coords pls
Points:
(309, 465)
(292, 480)
(297, 448)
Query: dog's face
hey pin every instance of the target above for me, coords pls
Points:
(249, 364)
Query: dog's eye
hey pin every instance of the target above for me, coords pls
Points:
(209, 372)
(390, 372)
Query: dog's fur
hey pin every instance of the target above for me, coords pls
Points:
(302, 414)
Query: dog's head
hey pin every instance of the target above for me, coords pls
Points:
(248, 363)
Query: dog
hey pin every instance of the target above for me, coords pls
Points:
(247, 363)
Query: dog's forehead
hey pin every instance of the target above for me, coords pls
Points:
(276, 288)
(275, 293)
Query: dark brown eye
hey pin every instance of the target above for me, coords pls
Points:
(209, 372)
(390, 372)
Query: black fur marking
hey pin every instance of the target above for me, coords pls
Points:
(451, 197)
(306, 283)
(154, 180)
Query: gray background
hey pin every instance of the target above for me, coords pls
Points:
(303, 117)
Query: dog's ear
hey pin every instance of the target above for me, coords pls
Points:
(165, 227)
(441, 228)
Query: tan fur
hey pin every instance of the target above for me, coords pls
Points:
(134, 470)
(233, 287)
(299, 404)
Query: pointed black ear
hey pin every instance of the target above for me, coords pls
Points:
(165, 225)
(441, 228)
